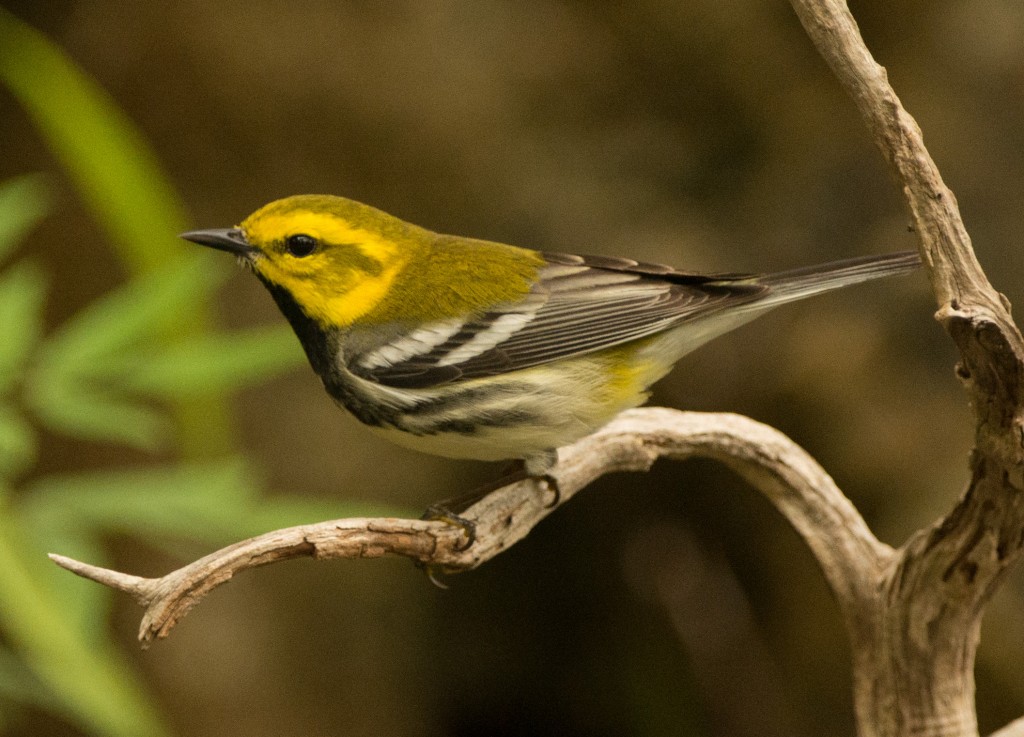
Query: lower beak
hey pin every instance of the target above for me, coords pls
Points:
(231, 240)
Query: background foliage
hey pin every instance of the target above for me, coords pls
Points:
(135, 431)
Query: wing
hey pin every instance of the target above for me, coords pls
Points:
(580, 304)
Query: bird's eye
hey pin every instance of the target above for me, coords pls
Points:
(300, 244)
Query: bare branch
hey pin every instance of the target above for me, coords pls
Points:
(1013, 729)
(946, 245)
(799, 488)
(914, 650)
(972, 311)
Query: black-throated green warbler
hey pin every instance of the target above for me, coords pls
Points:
(471, 349)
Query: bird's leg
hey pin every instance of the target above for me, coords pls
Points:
(538, 468)
(447, 510)
(535, 467)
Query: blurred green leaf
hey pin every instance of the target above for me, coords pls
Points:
(19, 684)
(137, 312)
(80, 411)
(213, 502)
(17, 444)
(120, 179)
(99, 146)
(24, 201)
(219, 363)
(78, 383)
(186, 501)
(22, 294)
(84, 605)
(208, 503)
(93, 680)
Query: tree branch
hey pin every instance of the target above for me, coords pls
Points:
(1013, 729)
(914, 649)
(797, 486)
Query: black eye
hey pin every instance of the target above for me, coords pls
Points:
(300, 244)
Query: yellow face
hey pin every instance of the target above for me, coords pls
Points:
(336, 258)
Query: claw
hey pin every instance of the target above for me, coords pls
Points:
(551, 483)
(432, 573)
(441, 513)
(534, 468)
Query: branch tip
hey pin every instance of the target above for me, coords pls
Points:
(141, 589)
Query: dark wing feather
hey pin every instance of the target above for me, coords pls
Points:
(579, 305)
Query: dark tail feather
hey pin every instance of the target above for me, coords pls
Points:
(795, 284)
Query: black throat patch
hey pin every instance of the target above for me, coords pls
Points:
(321, 347)
(316, 342)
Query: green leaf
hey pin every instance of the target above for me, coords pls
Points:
(17, 443)
(84, 373)
(91, 678)
(219, 363)
(24, 201)
(211, 502)
(139, 312)
(185, 501)
(112, 164)
(83, 412)
(85, 605)
(120, 179)
(78, 383)
(19, 684)
(22, 293)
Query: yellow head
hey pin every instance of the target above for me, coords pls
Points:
(335, 257)
(342, 263)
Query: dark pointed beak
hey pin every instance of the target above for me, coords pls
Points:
(231, 240)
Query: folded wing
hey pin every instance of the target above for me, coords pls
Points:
(578, 305)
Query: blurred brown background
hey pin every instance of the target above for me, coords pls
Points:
(705, 134)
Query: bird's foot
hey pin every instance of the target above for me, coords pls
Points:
(449, 510)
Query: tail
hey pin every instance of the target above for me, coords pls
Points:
(754, 295)
(787, 286)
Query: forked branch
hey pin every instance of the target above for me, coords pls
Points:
(914, 649)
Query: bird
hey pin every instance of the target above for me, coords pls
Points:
(473, 349)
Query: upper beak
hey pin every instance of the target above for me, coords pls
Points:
(231, 240)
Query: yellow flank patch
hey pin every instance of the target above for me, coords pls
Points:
(630, 374)
(626, 379)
